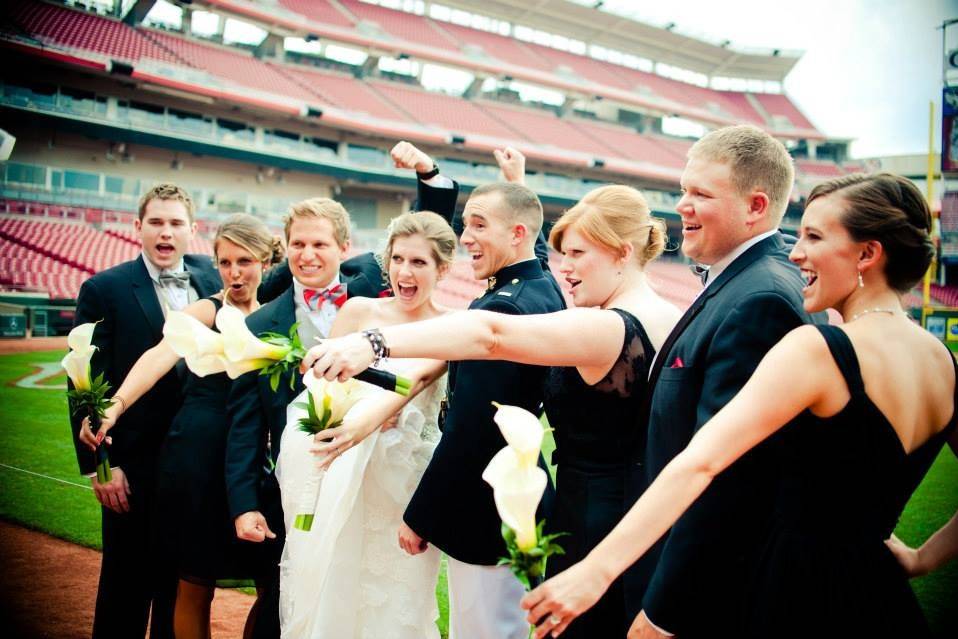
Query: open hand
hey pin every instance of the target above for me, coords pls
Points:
(407, 156)
(113, 494)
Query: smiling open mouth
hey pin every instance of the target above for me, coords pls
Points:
(407, 292)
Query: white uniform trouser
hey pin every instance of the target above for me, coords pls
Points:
(484, 602)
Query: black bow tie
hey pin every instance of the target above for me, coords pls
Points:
(701, 271)
(181, 279)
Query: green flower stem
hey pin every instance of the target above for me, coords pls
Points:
(103, 472)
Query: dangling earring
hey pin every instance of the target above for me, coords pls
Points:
(861, 282)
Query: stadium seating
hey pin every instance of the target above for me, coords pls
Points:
(212, 66)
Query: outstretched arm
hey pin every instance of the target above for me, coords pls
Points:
(152, 365)
(766, 403)
(582, 337)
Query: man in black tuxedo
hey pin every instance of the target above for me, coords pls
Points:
(736, 187)
(130, 301)
(453, 507)
(317, 235)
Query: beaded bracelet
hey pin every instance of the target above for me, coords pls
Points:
(378, 344)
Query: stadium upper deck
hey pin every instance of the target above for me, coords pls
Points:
(392, 110)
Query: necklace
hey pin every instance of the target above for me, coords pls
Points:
(890, 311)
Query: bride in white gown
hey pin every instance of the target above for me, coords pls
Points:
(348, 577)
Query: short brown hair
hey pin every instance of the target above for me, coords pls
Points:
(321, 207)
(614, 216)
(432, 227)
(167, 191)
(891, 210)
(521, 203)
(756, 161)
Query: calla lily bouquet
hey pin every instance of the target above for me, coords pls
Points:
(88, 396)
(518, 485)
(270, 353)
(326, 405)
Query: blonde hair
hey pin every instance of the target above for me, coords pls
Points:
(242, 229)
(614, 216)
(432, 227)
(167, 191)
(325, 208)
(756, 160)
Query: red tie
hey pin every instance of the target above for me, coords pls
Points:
(315, 298)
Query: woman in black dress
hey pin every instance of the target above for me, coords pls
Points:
(195, 530)
(877, 398)
(597, 384)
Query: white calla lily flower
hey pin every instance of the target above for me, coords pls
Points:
(80, 339)
(191, 338)
(203, 365)
(77, 362)
(77, 366)
(517, 489)
(236, 368)
(239, 343)
(336, 397)
(523, 432)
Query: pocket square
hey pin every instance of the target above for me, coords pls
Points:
(678, 363)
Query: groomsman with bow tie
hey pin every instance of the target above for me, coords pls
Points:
(129, 302)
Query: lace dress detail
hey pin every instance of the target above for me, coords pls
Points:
(347, 577)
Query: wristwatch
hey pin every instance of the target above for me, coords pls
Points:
(429, 174)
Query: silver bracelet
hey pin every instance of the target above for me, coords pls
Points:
(378, 344)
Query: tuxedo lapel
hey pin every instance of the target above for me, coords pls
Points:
(201, 279)
(673, 337)
(742, 262)
(145, 293)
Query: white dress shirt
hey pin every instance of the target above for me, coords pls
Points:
(322, 318)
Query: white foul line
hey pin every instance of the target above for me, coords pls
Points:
(62, 481)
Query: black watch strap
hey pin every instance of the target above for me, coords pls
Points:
(429, 174)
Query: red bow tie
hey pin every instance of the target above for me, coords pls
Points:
(315, 298)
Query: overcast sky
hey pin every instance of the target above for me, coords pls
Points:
(870, 66)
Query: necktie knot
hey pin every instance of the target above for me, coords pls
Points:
(315, 298)
(179, 280)
(701, 271)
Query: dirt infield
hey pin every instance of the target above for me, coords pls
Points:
(9, 346)
(49, 587)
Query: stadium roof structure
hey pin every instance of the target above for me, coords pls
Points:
(597, 26)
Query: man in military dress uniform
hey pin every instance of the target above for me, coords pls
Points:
(453, 507)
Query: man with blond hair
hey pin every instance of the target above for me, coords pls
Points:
(736, 188)
(129, 301)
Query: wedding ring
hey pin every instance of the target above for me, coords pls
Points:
(555, 621)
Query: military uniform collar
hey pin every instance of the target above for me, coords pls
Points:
(524, 270)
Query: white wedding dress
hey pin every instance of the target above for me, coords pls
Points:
(347, 578)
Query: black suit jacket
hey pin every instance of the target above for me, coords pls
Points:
(453, 507)
(124, 302)
(698, 585)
